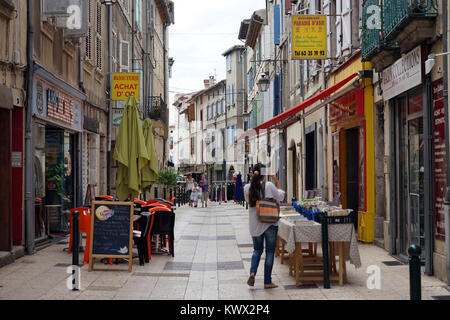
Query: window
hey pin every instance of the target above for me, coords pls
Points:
(232, 94)
(192, 146)
(124, 55)
(229, 62)
(250, 80)
(138, 14)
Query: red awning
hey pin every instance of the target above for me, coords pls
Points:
(294, 110)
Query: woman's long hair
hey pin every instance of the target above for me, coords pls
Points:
(255, 185)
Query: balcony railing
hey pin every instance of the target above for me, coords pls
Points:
(156, 108)
(398, 13)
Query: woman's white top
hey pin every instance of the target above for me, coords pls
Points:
(258, 228)
(190, 184)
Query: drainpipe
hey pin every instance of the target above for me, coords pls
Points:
(109, 92)
(447, 127)
(166, 115)
(29, 203)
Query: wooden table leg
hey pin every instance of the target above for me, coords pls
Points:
(277, 247)
(282, 250)
(298, 262)
(341, 262)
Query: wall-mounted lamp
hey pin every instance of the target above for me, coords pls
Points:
(429, 64)
(263, 83)
(108, 2)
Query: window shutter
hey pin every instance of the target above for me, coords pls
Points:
(338, 27)
(89, 44)
(99, 18)
(288, 7)
(124, 55)
(346, 25)
(327, 11)
(99, 52)
(276, 24)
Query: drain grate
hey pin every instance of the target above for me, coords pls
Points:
(245, 245)
(167, 275)
(393, 263)
(102, 288)
(441, 297)
(302, 286)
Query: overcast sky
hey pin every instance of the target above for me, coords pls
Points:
(203, 30)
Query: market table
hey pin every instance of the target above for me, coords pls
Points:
(296, 233)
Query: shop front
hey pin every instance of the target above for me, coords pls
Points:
(351, 117)
(417, 160)
(57, 134)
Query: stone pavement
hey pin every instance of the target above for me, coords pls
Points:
(213, 249)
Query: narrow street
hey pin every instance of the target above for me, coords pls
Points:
(213, 250)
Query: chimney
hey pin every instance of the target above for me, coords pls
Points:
(209, 82)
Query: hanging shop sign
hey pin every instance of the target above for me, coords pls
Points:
(403, 75)
(126, 84)
(309, 37)
(117, 117)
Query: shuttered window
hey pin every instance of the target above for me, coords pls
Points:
(124, 55)
(346, 26)
(338, 28)
(327, 11)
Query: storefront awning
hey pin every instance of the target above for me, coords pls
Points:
(292, 111)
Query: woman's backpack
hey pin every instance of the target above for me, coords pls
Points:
(267, 209)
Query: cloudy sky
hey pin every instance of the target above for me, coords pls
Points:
(203, 30)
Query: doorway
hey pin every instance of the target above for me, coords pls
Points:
(410, 173)
(352, 168)
(294, 172)
(310, 161)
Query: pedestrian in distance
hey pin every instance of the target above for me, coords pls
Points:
(262, 232)
(196, 195)
(189, 187)
(203, 184)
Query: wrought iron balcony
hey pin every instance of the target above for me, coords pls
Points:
(403, 25)
(156, 108)
(397, 14)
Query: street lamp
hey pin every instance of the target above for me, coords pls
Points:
(429, 64)
(263, 83)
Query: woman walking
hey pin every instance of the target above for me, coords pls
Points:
(262, 232)
(203, 184)
(189, 188)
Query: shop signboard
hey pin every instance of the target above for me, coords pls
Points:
(309, 36)
(404, 74)
(440, 172)
(111, 231)
(55, 105)
(126, 84)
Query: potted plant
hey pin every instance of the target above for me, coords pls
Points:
(167, 178)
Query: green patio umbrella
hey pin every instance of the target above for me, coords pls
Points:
(149, 172)
(131, 153)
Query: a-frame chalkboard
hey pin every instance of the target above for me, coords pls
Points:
(111, 231)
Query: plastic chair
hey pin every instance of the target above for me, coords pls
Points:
(104, 198)
(163, 224)
(84, 223)
(139, 237)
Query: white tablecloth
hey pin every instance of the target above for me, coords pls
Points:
(292, 233)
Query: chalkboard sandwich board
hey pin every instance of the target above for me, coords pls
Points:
(111, 231)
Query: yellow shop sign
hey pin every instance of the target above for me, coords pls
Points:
(309, 37)
(125, 84)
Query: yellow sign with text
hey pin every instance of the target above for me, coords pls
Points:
(309, 37)
(126, 84)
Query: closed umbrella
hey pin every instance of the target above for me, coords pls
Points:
(149, 172)
(131, 153)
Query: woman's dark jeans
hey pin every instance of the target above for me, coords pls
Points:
(258, 247)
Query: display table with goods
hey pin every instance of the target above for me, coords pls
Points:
(295, 230)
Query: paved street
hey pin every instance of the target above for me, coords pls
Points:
(212, 260)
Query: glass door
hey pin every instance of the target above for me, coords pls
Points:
(411, 167)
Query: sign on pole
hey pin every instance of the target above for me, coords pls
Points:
(126, 84)
(309, 37)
